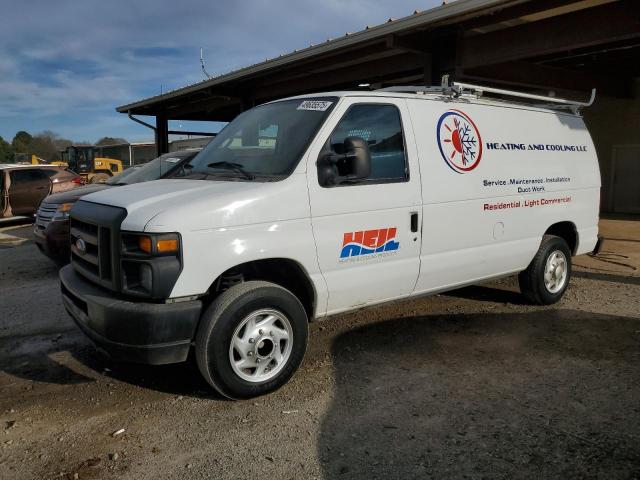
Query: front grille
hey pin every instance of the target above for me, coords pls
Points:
(86, 234)
(45, 214)
(94, 234)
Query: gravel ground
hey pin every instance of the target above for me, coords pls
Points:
(472, 384)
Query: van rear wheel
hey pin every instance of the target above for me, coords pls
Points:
(547, 277)
(251, 339)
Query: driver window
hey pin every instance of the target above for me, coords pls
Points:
(381, 127)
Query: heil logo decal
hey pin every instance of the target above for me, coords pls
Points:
(459, 141)
(368, 242)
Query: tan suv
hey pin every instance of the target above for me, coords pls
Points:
(22, 187)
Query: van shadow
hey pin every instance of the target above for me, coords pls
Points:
(608, 277)
(38, 358)
(177, 379)
(69, 358)
(488, 294)
(552, 393)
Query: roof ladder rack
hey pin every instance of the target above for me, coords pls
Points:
(479, 90)
(457, 89)
(418, 89)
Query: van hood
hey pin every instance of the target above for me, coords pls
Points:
(185, 205)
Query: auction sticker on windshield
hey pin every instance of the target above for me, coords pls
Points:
(316, 105)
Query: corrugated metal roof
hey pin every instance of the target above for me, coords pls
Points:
(445, 12)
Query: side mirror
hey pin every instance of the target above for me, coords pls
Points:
(358, 155)
(353, 164)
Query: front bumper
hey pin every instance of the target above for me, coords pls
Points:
(137, 332)
(53, 240)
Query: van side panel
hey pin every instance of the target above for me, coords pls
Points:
(494, 179)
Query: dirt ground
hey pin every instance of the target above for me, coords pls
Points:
(469, 384)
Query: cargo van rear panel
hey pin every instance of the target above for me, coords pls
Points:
(533, 168)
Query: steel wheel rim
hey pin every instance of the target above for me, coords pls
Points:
(261, 345)
(555, 271)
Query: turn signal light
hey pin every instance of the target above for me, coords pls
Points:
(167, 246)
(162, 245)
(64, 207)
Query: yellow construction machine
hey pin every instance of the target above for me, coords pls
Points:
(82, 160)
(31, 159)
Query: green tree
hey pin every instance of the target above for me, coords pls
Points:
(44, 145)
(6, 151)
(63, 143)
(21, 142)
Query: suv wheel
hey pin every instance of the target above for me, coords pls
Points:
(251, 339)
(547, 277)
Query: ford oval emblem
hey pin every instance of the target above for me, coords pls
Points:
(81, 245)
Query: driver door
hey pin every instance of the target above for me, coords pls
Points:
(367, 231)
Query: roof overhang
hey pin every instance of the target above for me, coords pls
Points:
(446, 12)
(534, 44)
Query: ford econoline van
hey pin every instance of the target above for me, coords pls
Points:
(316, 205)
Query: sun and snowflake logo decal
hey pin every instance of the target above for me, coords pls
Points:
(459, 141)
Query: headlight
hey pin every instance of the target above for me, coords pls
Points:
(62, 212)
(151, 263)
(159, 245)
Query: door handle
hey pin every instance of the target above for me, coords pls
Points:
(414, 222)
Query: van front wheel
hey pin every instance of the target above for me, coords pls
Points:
(251, 339)
(547, 277)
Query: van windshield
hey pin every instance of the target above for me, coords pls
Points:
(266, 141)
(160, 167)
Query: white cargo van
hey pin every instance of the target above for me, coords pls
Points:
(326, 203)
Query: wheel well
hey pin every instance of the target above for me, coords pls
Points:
(566, 231)
(281, 271)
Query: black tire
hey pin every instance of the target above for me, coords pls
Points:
(532, 281)
(219, 322)
(99, 178)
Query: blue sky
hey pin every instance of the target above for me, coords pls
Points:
(65, 65)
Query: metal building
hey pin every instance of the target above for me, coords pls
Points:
(564, 46)
(137, 153)
(130, 153)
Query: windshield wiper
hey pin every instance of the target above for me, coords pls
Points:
(182, 169)
(236, 167)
